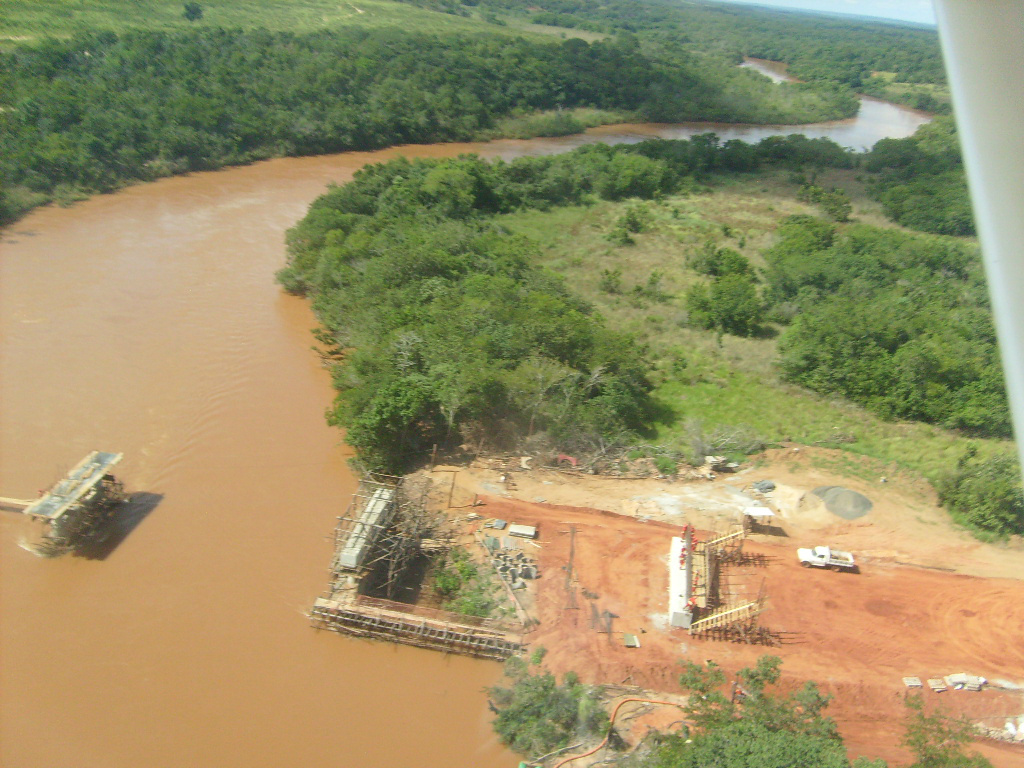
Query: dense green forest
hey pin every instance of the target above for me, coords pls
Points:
(89, 111)
(898, 323)
(921, 182)
(93, 112)
(819, 48)
(457, 334)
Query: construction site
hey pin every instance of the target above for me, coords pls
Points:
(639, 575)
(383, 543)
(78, 510)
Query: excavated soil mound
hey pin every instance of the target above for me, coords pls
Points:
(843, 502)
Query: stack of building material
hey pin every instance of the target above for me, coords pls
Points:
(514, 567)
(522, 531)
(961, 681)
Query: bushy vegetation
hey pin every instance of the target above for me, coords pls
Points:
(938, 739)
(558, 122)
(985, 495)
(899, 63)
(741, 723)
(98, 110)
(462, 586)
(834, 203)
(928, 97)
(537, 715)
(896, 322)
(730, 304)
(34, 19)
(921, 182)
(749, 725)
(818, 48)
(721, 393)
(456, 333)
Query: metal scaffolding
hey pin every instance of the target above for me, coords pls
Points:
(384, 530)
(78, 509)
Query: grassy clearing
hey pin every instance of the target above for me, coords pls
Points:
(27, 19)
(708, 383)
(739, 214)
(563, 122)
(562, 32)
(928, 96)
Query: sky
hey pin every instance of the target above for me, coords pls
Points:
(902, 10)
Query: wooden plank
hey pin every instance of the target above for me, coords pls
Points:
(725, 617)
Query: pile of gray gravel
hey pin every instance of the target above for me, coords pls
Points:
(843, 502)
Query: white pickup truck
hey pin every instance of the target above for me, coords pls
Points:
(824, 557)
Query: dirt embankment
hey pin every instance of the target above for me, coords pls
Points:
(929, 601)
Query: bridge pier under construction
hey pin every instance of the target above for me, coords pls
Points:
(387, 527)
(697, 601)
(78, 509)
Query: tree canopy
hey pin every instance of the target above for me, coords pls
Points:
(747, 724)
(453, 333)
(98, 110)
(897, 322)
(921, 182)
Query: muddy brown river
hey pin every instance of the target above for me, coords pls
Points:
(148, 322)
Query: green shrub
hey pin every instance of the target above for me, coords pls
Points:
(717, 262)
(666, 465)
(464, 588)
(985, 495)
(731, 304)
(537, 715)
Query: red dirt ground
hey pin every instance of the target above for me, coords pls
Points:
(856, 635)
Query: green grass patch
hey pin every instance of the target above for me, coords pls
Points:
(561, 32)
(722, 387)
(465, 586)
(562, 122)
(930, 97)
(777, 412)
(27, 19)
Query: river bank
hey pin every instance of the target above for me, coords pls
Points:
(148, 321)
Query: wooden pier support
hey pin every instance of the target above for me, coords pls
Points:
(398, 623)
(378, 538)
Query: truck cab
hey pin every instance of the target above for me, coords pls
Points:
(825, 557)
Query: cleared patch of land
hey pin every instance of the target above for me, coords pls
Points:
(929, 600)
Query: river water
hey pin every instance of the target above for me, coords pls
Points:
(148, 322)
